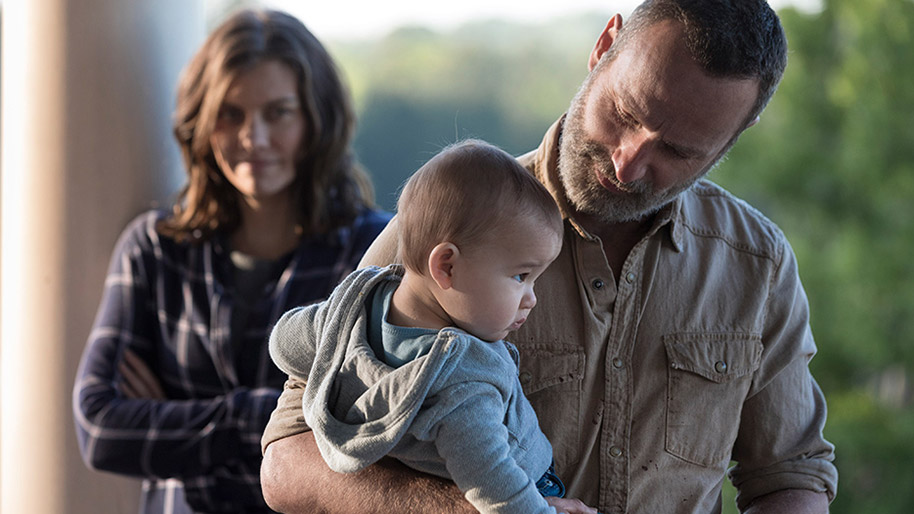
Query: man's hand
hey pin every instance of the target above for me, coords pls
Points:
(570, 505)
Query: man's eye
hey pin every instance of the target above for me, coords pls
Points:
(624, 119)
(679, 154)
(676, 152)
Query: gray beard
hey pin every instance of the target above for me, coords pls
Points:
(579, 158)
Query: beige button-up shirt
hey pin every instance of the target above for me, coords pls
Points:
(649, 385)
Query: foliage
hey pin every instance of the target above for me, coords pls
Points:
(832, 162)
(419, 90)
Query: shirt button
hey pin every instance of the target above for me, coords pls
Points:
(720, 367)
(615, 451)
(597, 283)
(617, 362)
(630, 277)
(525, 377)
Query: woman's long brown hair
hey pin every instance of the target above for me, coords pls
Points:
(330, 187)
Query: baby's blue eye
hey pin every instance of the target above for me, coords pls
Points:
(520, 277)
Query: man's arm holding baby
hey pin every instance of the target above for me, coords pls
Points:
(296, 479)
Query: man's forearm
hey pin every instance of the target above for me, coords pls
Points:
(790, 501)
(296, 480)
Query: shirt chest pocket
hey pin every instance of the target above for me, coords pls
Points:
(708, 378)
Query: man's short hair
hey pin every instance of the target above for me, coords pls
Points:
(464, 193)
(741, 39)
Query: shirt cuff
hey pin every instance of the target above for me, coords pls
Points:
(287, 419)
(818, 474)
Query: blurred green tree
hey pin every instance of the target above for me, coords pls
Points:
(418, 90)
(832, 162)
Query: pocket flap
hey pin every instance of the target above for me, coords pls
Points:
(716, 357)
(542, 367)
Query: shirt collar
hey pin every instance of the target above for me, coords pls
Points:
(543, 162)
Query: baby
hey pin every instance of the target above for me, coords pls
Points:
(409, 361)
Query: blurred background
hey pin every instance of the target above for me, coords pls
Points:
(832, 163)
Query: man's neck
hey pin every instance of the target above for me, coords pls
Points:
(618, 238)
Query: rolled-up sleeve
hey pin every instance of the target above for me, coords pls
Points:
(287, 419)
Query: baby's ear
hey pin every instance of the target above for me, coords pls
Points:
(441, 264)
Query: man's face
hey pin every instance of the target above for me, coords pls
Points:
(646, 126)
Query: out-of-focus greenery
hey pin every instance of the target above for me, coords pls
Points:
(417, 90)
(832, 162)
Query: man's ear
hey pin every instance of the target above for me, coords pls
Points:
(606, 39)
(441, 264)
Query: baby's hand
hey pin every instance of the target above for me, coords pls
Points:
(570, 505)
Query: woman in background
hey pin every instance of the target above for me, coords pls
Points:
(176, 384)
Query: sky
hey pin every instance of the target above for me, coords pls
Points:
(369, 18)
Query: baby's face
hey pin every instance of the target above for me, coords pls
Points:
(493, 281)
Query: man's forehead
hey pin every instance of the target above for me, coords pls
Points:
(654, 76)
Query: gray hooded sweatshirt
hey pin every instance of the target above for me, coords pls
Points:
(457, 412)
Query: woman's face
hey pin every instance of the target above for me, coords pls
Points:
(260, 129)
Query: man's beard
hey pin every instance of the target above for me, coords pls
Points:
(580, 158)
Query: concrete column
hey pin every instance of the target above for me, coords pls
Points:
(87, 95)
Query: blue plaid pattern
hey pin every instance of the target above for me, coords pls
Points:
(171, 304)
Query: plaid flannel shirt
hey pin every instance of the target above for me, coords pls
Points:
(171, 304)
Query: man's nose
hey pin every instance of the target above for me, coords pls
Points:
(631, 157)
